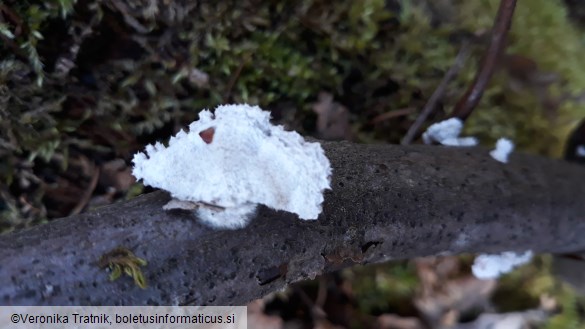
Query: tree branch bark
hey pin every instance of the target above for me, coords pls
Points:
(387, 202)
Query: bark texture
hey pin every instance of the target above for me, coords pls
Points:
(387, 202)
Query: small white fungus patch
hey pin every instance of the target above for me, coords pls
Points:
(233, 160)
(581, 151)
(487, 266)
(447, 133)
(503, 149)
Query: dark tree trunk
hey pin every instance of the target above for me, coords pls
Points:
(387, 202)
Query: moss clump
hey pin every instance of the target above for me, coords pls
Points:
(123, 261)
(541, 110)
(384, 288)
(524, 287)
(116, 76)
(119, 75)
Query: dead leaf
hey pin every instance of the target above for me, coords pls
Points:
(258, 320)
(513, 320)
(333, 118)
(324, 324)
(391, 321)
(392, 114)
(71, 190)
(524, 74)
(199, 78)
(444, 294)
(116, 174)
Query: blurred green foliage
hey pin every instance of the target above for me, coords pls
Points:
(523, 288)
(544, 106)
(382, 288)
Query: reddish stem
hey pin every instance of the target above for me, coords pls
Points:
(472, 96)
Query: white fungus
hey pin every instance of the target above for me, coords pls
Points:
(503, 149)
(234, 159)
(447, 133)
(487, 266)
(581, 151)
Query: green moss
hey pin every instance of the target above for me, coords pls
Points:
(31, 18)
(123, 261)
(523, 288)
(388, 288)
(542, 32)
(570, 317)
(373, 56)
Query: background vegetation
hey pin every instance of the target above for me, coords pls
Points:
(84, 84)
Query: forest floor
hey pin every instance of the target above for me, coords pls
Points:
(84, 85)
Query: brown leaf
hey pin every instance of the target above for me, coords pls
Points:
(512, 320)
(199, 78)
(445, 294)
(71, 189)
(390, 321)
(116, 174)
(333, 118)
(259, 320)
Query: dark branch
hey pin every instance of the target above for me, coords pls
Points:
(576, 144)
(472, 96)
(388, 202)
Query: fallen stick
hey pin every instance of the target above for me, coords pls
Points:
(387, 202)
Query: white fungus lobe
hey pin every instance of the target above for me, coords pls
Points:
(487, 266)
(447, 133)
(503, 149)
(581, 151)
(233, 160)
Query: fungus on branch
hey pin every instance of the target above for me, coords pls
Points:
(488, 266)
(581, 151)
(504, 148)
(447, 133)
(233, 160)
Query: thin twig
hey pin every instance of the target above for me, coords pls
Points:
(316, 311)
(86, 196)
(437, 94)
(234, 79)
(392, 114)
(322, 292)
(472, 96)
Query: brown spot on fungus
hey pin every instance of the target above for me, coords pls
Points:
(207, 135)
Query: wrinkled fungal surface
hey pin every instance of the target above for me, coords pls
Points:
(234, 159)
